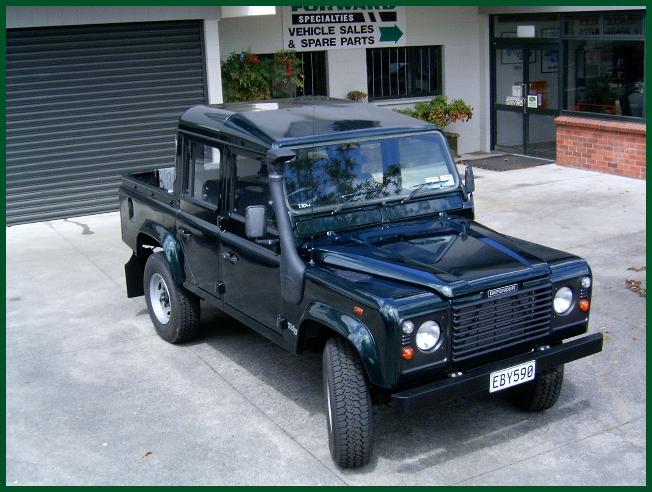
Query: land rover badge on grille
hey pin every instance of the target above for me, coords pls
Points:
(502, 290)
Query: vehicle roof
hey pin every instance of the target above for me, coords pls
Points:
(283, 122)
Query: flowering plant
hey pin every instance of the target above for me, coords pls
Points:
(248, 77)
(440, 112)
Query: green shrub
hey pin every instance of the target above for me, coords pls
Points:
(249, 77)
(440, 112)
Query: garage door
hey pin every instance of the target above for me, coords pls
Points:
(87, 104)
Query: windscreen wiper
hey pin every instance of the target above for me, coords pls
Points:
(419, 187)
(349, 197)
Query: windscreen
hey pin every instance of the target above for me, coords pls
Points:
(368, 171)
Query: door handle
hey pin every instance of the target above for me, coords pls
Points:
(231, 257)
(185, 234)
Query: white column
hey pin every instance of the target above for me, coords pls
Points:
(212, 61)
(347, 71)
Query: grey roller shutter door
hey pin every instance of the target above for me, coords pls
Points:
(87, 104)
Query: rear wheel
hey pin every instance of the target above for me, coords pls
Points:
(348, 405)
(541, 393)
(173, 310)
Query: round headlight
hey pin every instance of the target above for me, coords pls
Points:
(563, 300)
(407, 327)
(586, 282)
(428, 335)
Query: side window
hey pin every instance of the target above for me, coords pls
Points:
(205, 172)
(251, 187)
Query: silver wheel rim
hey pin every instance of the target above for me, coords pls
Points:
(328, 404)
(159, 298)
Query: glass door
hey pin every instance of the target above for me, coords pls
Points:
(509, 80)
(526, 99)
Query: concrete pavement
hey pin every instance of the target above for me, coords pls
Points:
(95, 397)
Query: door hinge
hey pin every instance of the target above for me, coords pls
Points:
(219, 288)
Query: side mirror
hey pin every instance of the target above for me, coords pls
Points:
(256, 221)
(469, 182)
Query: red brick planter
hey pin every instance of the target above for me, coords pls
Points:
(613, 147)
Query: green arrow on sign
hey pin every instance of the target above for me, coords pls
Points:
(390, 33)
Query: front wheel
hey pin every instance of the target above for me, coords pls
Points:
(348, 405)
(173, 310)
(541, 393)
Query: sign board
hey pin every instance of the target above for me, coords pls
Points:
(308, 28)
(532, 101)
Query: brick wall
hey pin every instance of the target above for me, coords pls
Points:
(613, 147)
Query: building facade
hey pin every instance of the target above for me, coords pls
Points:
(93, 92)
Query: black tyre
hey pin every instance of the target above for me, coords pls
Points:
(540, 394)
(348, 405)
(173, 310)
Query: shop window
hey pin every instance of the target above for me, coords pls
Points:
(622, 24)
(412, 71)
(604, 70)
(585, 25)
(605, 77)
(612, 24)
(314, 74)
(544, 25)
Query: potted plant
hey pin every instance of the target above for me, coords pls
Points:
(442, 113)
(357, 96)
(249, 77)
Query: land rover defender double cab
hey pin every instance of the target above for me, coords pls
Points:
(346, 229)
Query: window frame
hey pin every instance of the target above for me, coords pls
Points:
(563, 40)
(439, 68)
(231, 179)
(321, 54)
(566, 38)
(232, 171)
(188, 167)
(601, 23)
(329, 208)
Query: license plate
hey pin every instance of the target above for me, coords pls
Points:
(506, 378)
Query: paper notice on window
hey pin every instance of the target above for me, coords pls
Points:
(516, 91)
(532, 101)
(513, 101)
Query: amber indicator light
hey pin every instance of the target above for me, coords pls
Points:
(358, 311)
(584, 305)
(407, 353)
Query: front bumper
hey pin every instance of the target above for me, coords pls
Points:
(477, 380)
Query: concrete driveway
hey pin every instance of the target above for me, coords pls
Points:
(95, 397)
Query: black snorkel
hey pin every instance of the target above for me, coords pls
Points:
(292, 266)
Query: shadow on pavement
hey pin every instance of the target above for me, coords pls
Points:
(429, 437)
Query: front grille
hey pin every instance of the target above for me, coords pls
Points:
(484, 326)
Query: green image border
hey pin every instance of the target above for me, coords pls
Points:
(167, 3)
